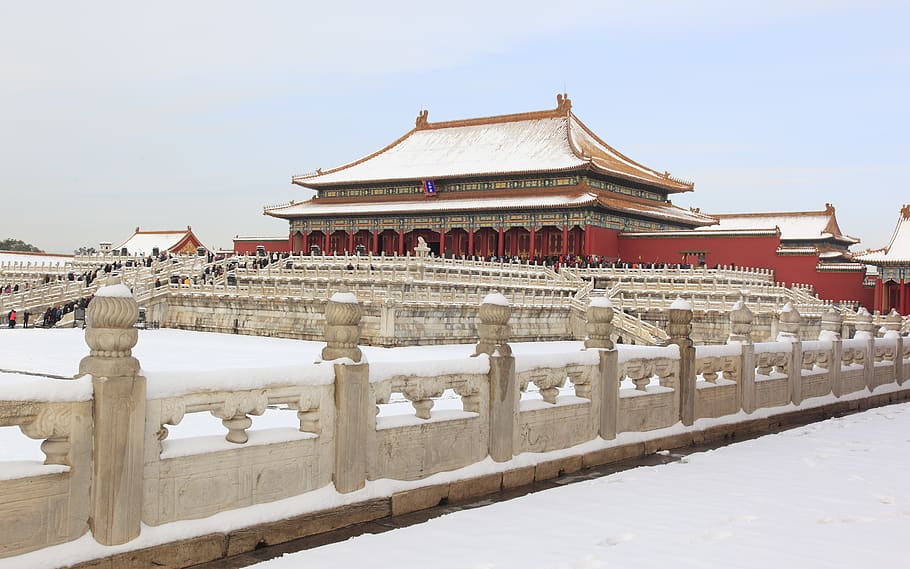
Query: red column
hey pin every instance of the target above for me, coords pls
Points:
(502, 240)
(587, 240)
(904, 308)
(325, 250)
(401, 243)
(442, 242)
(375, 248)
(565, 239)
(470, 242)
(531, 246)
(351, 241)
(877, 295)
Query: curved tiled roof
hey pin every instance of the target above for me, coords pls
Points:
(144, 242)
(488, 200)
(898, 250)
(535, 142)
(794, 225)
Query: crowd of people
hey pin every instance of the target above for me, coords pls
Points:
(55, 313)
(51, 316)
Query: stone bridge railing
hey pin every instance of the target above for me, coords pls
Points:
(59, 290)
(111, 467)
(742, 275)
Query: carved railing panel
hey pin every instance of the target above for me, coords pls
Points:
(48, 422)
(235, 408)
(422, 392)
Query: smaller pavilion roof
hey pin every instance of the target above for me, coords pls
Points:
(174, 241)
(898, 250)
(794, 226)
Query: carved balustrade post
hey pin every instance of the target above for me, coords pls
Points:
(741, 318)
(353, 406)
(865, 331)
(864, 325)
(680, 330)
(899, 360)
(832, 324)
(892, 322)
(599, 327)
(790, 322)
(119, 415)
(892, 326)
(493, 331)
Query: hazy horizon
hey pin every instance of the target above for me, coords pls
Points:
(167, 115)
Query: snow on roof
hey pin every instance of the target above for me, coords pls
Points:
(144, 242)
(703, 232)
(17, 257)
(245, 238)
(898, 250)
(794, 226)
(490, 200)
(324, 207)
(544, 141)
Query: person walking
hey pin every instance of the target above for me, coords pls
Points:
(25, 318)
(12, 318)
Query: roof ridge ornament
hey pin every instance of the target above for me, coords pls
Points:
(905, 211)
(563, 102)
(421, 121)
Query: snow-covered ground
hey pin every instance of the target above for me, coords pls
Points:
(828, 495)
(832, 494)
(179, 361)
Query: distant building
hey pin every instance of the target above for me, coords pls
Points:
(176, 242)
(817, 230)
(892, 284)
(802, 247)
(531, 185)
(34, 259)
(250, 245)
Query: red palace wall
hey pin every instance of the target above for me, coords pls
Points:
(603, 242)
(844, 286)
(748, 251)
(248, 246)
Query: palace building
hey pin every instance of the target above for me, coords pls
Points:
(892, 285)
(801, 247)
(539, 185)
(176, 242)
(531, 185)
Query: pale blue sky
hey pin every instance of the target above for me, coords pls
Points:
(168, 114)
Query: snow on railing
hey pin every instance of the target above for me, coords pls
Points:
(498, 402)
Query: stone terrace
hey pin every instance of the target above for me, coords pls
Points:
(111, 470)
